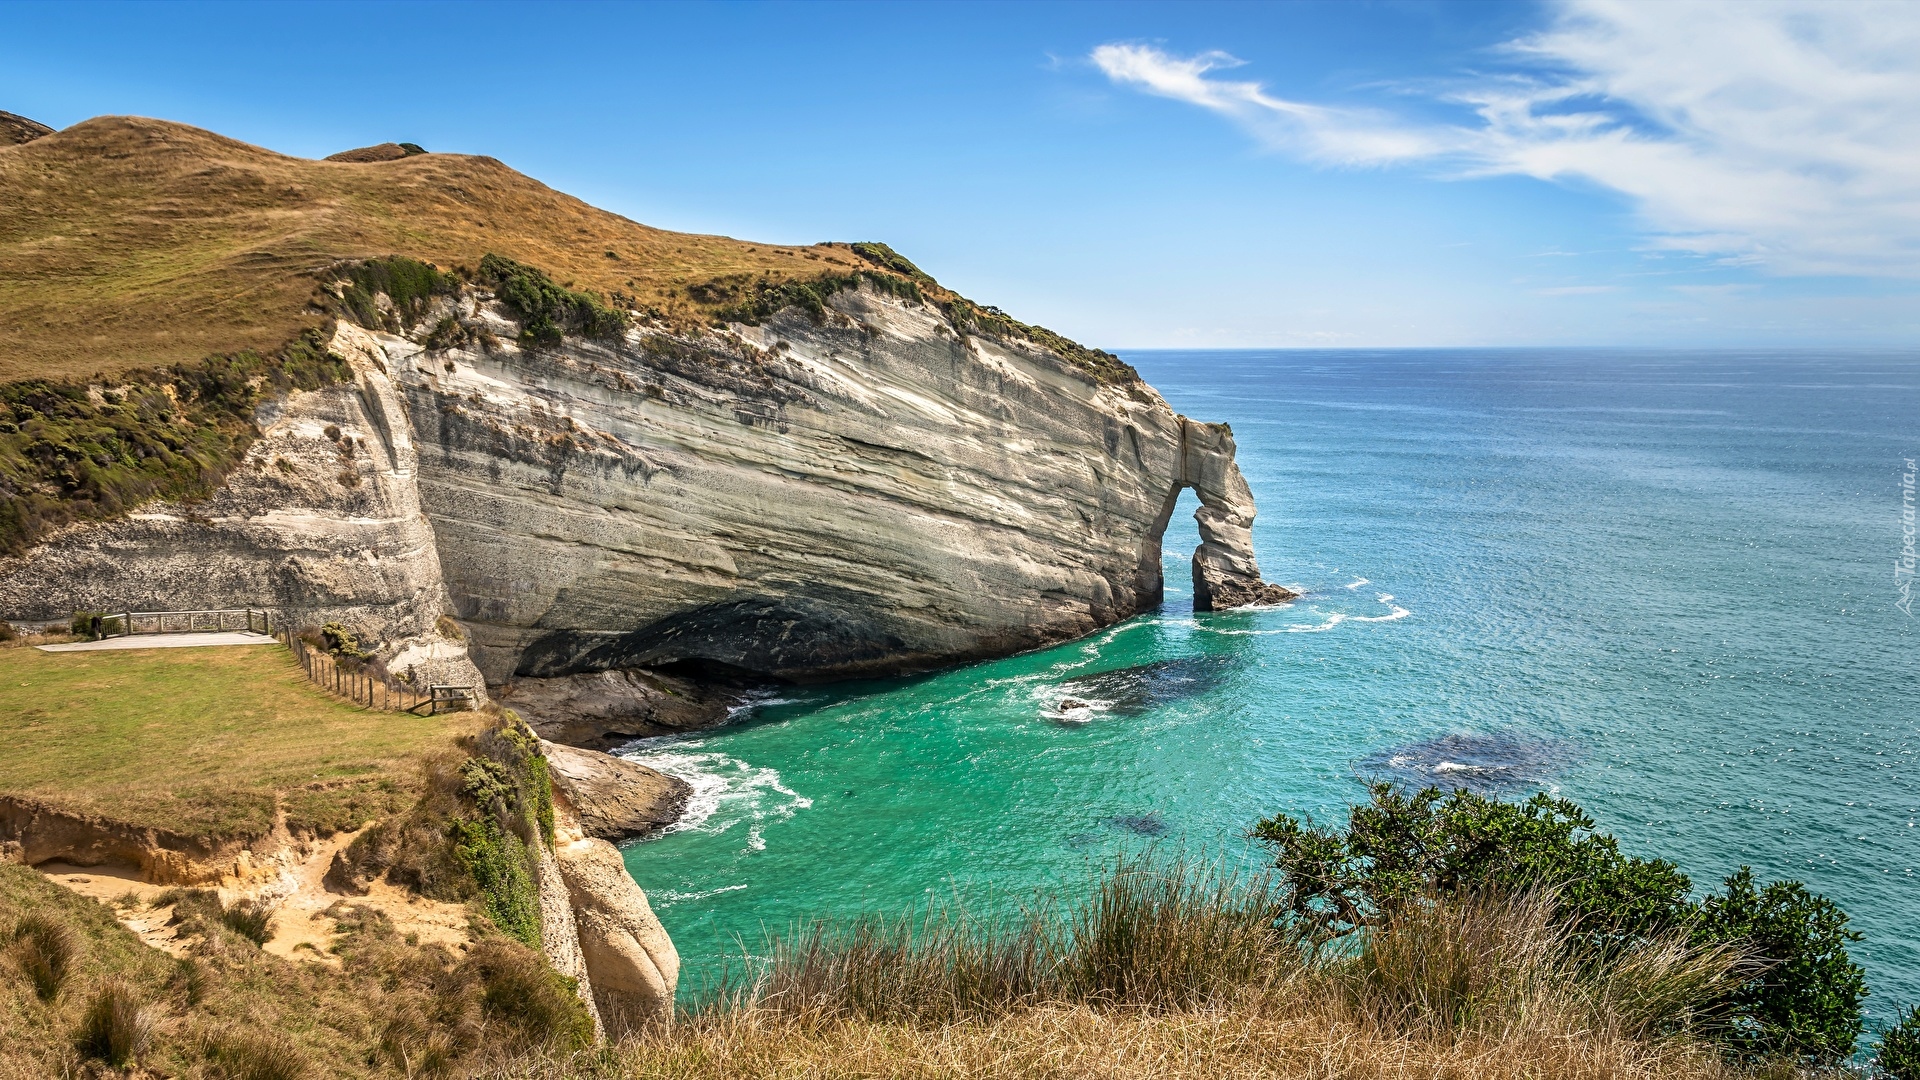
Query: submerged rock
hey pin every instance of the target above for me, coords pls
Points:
(615, 799)
(1144, 687)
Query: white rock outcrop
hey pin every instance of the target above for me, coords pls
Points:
(631, 966)
(869, 493)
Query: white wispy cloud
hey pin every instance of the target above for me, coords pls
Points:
(1785, 135)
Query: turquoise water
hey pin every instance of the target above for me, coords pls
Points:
(1659, 584)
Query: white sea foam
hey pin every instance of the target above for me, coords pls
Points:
(1332, 620)
(1087, 711)
(755, 700)
(662, 899)
(1357, 582)
(726, 790)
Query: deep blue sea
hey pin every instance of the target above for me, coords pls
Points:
(1661, 584)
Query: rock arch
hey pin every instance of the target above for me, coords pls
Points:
(1225, 573)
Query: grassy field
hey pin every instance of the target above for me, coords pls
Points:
(128, 243)
(203, 741)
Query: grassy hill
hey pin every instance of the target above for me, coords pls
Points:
(133, 243)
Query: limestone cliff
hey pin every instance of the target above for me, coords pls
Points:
(865, 490)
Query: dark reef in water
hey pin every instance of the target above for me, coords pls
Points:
(1151, 824)
(1134, 690)
(1483, 764)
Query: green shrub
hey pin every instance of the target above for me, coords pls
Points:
(1798, 994)
(336, 639)
(45, 949)
(85, 625)
(117, 1027)
(1805, 1001)
(547, 310)
(500, 865)
(1899, 1051)
(409, 284)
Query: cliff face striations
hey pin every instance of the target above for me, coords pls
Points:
(863, 492)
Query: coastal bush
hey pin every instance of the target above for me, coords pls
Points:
(1804, 1000)
(45, 949)
(118, 1025)
(409, 285)
(1399, 847)
(546, 309)
(507, 793)
(337, 640)
(1794, 992)
(76, 452)
(1898, 1054)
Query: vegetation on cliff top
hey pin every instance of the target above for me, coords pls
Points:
(745, 298)
(80, 451)
(128, 243)
(133, 243)
(546, 309)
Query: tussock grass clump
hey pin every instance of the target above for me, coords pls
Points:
(236, 1053)
(45, 949)
(527, 1003)
(197, 911)
(250, 919)
(118, 1025)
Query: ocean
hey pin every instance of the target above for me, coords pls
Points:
(1660, 584)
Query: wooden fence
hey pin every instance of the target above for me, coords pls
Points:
(123, 623)
(383, 692)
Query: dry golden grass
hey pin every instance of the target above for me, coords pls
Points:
(1310, 1040)
(127, 242)
(1157, 977)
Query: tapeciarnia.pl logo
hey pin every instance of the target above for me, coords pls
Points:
(1903, 566)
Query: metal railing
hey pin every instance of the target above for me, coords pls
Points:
(124, 623)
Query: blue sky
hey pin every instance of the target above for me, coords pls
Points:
(1391, 174)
